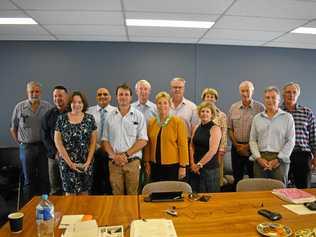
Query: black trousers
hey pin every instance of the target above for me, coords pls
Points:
(164, 172)
(300, 168)
(239, 165)
(35, 170)
(101, 177)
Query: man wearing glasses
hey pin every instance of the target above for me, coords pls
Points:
(101, 183)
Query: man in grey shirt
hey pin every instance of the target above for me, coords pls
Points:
(272, 139)
(26, 131)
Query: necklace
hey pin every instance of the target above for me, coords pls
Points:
(164, 123)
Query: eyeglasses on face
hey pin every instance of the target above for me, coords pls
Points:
(100, 94)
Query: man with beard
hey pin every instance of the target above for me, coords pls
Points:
(26, 131)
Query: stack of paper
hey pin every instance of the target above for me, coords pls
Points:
(82, 229)
(84, 226)
(294, 195)
(153, 228)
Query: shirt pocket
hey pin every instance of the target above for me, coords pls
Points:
(25, 120)
(236, 120)
(131, 129)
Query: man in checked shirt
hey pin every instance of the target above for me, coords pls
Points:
(303, 157)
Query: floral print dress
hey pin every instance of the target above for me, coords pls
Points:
(76, 140)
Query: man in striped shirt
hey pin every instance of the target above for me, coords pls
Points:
(303, 157)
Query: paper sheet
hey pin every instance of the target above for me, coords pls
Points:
(299, 209)
(153, 228)
(68, 220)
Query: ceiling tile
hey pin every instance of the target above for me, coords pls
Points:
(91, 38)
(12, 13)
(243, 35)
(272, 8)
(180, 6)
(291, 45)
(22, 30)
(6, 5)
(297, 38)
(311, 24)
(86, 29)
(171, 16)
(163, 39)
(165, 32)
(231, 42)
(26, 37)
(257, 23)
(108, 5)
(77, 17)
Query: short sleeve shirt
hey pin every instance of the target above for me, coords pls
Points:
(123, 131)
(27, 122)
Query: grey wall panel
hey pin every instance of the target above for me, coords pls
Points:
(88, 65)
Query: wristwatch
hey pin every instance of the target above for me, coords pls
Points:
(200, 165)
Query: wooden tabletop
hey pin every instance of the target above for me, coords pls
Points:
(106, 210)
(225, 214)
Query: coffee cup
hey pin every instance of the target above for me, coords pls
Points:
(16, 222)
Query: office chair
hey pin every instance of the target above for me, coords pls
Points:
(166, 186)
(10, 173)
(258, 184)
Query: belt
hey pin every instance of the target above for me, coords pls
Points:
(129, 159)
(31, 143)
(133, 158)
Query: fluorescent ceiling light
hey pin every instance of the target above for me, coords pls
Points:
(305, 30)
(17, 21)
(169, 23)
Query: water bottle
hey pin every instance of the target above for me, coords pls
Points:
(45, 217)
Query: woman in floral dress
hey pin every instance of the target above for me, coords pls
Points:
(75, 139)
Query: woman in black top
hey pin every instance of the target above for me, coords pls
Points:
(203, 148)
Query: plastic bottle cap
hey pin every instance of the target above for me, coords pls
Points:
(44, 196)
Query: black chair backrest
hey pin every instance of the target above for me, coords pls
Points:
(9, 157)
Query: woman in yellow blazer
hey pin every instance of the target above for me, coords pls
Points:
(166, 153)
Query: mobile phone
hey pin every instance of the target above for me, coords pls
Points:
(273, 216)
(310, 205)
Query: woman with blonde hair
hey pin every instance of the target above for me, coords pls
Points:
(166, 153)
(203, 148)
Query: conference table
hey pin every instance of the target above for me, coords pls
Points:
(106, 210)
(225, 214)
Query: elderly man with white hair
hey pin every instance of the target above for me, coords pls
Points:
(143, 104)
(26, 131)
(239, 123)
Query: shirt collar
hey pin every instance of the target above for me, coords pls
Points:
(280, 112)
(250, 105)
(296, 106)
(147, 104)
(99, 108)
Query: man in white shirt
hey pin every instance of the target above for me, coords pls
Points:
(125, 135)
(101, 182)
(143, 104)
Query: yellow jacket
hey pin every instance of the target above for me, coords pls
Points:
(174, 142)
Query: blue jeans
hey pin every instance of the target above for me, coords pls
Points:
(206, 182)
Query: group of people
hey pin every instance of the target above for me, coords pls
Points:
(75, 149)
